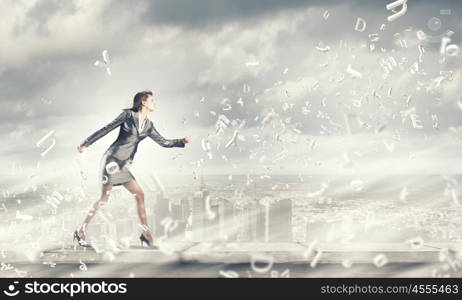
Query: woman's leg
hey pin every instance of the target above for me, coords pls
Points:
(94, 209)
(134, 188)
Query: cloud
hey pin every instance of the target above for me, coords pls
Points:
(187, 51)
(204, 13)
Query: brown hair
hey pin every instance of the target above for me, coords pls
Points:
(139, 97)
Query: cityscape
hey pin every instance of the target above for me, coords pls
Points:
(239, 210)
(246, 209)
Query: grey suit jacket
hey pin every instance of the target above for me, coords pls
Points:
(126, 144)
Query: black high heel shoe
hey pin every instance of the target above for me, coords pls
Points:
(80, 241)
(143, 239)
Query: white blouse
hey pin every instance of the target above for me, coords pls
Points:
(141, 126)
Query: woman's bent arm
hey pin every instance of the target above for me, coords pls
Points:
(106, 129)
(159, 139)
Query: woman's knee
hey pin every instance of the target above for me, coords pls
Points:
(103, 199)
(139, 195)
(106, 190)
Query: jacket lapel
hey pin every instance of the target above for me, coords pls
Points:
(135, 121)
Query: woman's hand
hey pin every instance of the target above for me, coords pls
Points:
(186, 140)
(81, 148)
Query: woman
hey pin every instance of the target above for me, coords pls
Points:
(114, 169)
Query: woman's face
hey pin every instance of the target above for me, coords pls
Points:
(149, 103)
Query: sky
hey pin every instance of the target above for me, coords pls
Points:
(299, 87)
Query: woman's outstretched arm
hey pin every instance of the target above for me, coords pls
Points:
(106, 129)
(155, 135)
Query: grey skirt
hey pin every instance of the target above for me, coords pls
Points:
(114, 171)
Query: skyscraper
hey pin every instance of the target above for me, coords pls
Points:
(261, 223)
(260, 216)
(198, 213)
(212, 219)
(247, 222)
(160, 209)
(226, 219)
(180, 212)
(280, 221)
